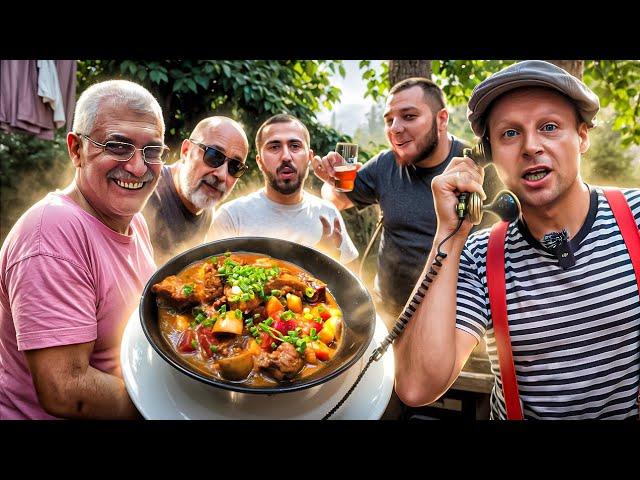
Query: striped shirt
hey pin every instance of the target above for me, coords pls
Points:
(575, 333)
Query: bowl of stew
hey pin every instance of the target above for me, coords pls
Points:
(257, 315)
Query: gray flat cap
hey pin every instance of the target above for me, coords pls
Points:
(530, 73)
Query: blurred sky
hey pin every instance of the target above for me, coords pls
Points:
(351, 110)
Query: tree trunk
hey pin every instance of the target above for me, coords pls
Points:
(401, 69)
(574, 67)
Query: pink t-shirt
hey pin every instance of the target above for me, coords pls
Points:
(65, 278)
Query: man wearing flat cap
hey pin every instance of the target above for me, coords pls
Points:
(555, 293)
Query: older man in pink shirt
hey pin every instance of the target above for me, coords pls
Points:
(73, 266)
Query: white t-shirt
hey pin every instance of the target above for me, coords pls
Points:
(256, 215)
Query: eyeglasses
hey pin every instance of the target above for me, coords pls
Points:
(215, 158)
(122, 151)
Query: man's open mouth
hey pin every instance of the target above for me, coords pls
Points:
(129, 185)
(537, 174)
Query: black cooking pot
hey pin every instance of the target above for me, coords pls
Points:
(359, 315)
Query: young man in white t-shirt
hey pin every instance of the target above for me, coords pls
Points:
(283, 209)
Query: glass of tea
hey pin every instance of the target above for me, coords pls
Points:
(346, 170)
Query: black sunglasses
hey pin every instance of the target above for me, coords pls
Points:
(215, 158)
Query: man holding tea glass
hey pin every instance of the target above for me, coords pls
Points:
(399, 180)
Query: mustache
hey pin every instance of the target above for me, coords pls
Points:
(213, 182)
(119, 174)
(286, 165)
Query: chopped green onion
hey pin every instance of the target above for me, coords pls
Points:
(238, 314)
(309, 292)
(269, 321)
(194, 343)
(273, 345)
(214, 348)
(276, 293)
(187, 290)
(312, 332)
(223, 310)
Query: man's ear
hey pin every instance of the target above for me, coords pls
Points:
(259, 162)
(310, 155)
(585, 142)
(442, 119)
(184, 148)
(74, 147)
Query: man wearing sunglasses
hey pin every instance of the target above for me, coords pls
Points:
(74, 265)
(180, 210)
(283, 209)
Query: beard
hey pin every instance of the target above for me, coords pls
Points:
(192, 189)
(287, 187)
(430, 143)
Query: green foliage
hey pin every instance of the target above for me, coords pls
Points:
(20, 152)
(458, 77)
(377, 80)
(607, 158)
(29, 168)
(617, 83)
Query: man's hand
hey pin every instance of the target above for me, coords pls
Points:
(461, 175)
(331, 239)
(323, 167)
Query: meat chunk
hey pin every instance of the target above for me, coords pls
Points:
(283, 363)
(298, 284)
(175, 292)
(199, 286)
(210, 287)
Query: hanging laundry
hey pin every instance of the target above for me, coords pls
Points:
(22, 109)
(49, 90)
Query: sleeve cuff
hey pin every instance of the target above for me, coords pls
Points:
(56, 338)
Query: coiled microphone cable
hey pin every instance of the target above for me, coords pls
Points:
(403, 319)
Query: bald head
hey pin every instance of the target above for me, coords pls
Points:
(222, 125)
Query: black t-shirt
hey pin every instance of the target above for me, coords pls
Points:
(173, 228)
(405, 198)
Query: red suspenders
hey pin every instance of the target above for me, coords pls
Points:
(498, 300)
